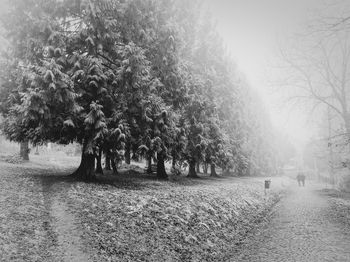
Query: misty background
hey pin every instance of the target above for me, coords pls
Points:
(168, 130)
(263, 37)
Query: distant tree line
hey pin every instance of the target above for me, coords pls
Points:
(130, 79)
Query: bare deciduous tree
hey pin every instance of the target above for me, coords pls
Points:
(319, 71)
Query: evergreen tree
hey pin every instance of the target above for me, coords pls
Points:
(129, 77)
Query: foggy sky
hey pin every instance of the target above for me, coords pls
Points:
(252, 31)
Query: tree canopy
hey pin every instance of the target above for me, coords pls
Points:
(129, 77)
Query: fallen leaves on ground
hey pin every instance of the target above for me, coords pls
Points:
(128, 217)
(340, 206)
(170, 221)
(13, 159)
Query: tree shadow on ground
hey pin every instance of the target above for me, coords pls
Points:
(123, 180)
(131, 179)
(126, 179)
(49, 179)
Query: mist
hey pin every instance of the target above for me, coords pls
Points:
(161, 130)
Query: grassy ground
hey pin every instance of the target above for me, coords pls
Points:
(340, 205)
(129, 217)
(184, 220)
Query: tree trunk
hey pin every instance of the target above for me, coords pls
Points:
(107, 161)
(205, 168)
(192, 169)
(197, 168)
(161, 172)
(24, 150)
(173, 162)
(347, 128)
(86, 170)
(212, 170)
(99, 169)
(114, 166)
(149, 164)
(135, 157)
(127, 153)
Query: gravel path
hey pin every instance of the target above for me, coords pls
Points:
(302, 228)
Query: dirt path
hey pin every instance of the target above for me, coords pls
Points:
(302, 229)
(36, 224)
(68, 237)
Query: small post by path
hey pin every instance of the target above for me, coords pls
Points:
(267, 186)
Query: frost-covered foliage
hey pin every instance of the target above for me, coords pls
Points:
(142, 78)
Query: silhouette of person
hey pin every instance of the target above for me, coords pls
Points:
(301, 179)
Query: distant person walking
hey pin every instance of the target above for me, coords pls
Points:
(301, 179)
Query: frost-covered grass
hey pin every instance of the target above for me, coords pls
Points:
(134, 217)
(340, 206)
(141, 219)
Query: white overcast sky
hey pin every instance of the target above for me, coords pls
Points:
(252, 30)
